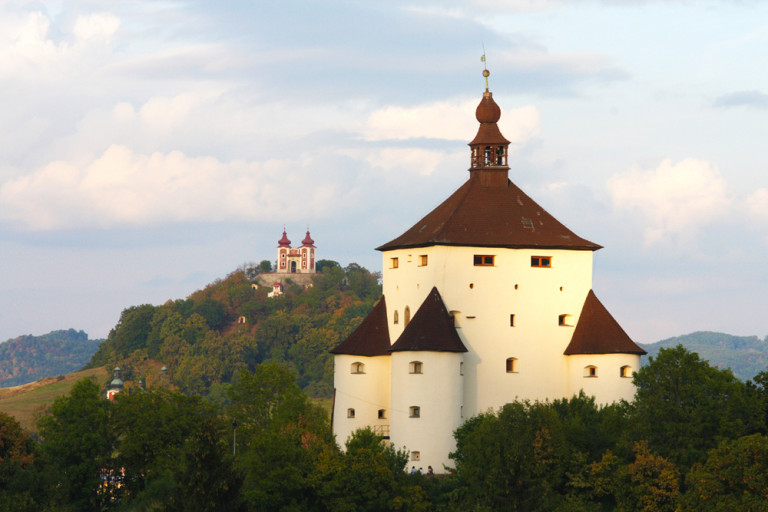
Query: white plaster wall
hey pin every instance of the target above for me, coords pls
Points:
(608, 386)
(438, 393)
(483, 299)
(366, 393)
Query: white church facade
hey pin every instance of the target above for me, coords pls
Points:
(487, 299)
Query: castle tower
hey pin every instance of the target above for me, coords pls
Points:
(508, 288)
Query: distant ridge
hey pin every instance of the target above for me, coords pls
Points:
(29, 358)
(746, 356)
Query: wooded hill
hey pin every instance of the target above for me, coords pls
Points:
(746, 356)
(29, 358)
(201, 342)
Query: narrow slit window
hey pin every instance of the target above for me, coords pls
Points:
(407, 315)
(511, 320)
(396, 318)
(484, 260)
(541, 261)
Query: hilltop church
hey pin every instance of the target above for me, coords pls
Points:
(487, 299)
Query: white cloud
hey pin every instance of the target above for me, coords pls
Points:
(757, 204)
(450, 120)
(674, 200)
(122, 187)
(96, 26)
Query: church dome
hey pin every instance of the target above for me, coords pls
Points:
(488, 112)
(284, 242)
(307, 240)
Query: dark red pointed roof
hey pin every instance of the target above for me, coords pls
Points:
(284, 242)
(307, 242)
(371, 338)
(599, 333)
(431, 329)
(490, 216)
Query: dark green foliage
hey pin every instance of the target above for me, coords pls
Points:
(30, 358)
(79, 443)
(20, 470)
(683, 407)
(734, 477)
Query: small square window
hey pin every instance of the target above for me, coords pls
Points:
(382, 414)
(511, 365)
(415, 411)
(484, 260)
(415, 456)
(350, 413)
(541, 261)
(423, 259)
(395, 262)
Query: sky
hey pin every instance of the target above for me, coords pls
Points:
(150, 147)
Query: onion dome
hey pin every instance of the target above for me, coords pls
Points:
(307, 242)
(284, 242)
(117, 383)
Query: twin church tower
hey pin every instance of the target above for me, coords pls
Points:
(487, 299)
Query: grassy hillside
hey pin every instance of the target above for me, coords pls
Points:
(23, 402)
(746, 356)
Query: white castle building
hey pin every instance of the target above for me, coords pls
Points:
(487, 299)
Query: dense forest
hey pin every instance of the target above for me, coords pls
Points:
(203, 345)
(30, 358)
(693, 439)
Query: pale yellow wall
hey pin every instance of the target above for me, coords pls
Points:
(608, 386)
(437, 391)
(366, 393)
(483, 310)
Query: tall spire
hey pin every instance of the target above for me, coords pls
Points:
(489, 148)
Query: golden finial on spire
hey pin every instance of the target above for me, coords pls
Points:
(485, 69)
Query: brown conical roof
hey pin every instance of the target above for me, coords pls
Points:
(431, 329)
(599, 333)
(490, 216)
(371, 338)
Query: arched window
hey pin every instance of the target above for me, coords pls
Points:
(350, 413)
(407, 315)
(414, 411)
(358, 367)
(590, 371)
(414, 367)
(511, 365)
(625, 371)
(396, 318)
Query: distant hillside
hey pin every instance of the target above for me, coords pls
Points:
(746, 356)
(30, 358)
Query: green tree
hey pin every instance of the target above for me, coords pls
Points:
(734, 477)
(79, 441)
(514, 460)
(684, 407)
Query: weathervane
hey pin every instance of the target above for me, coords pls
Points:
(485, 69)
